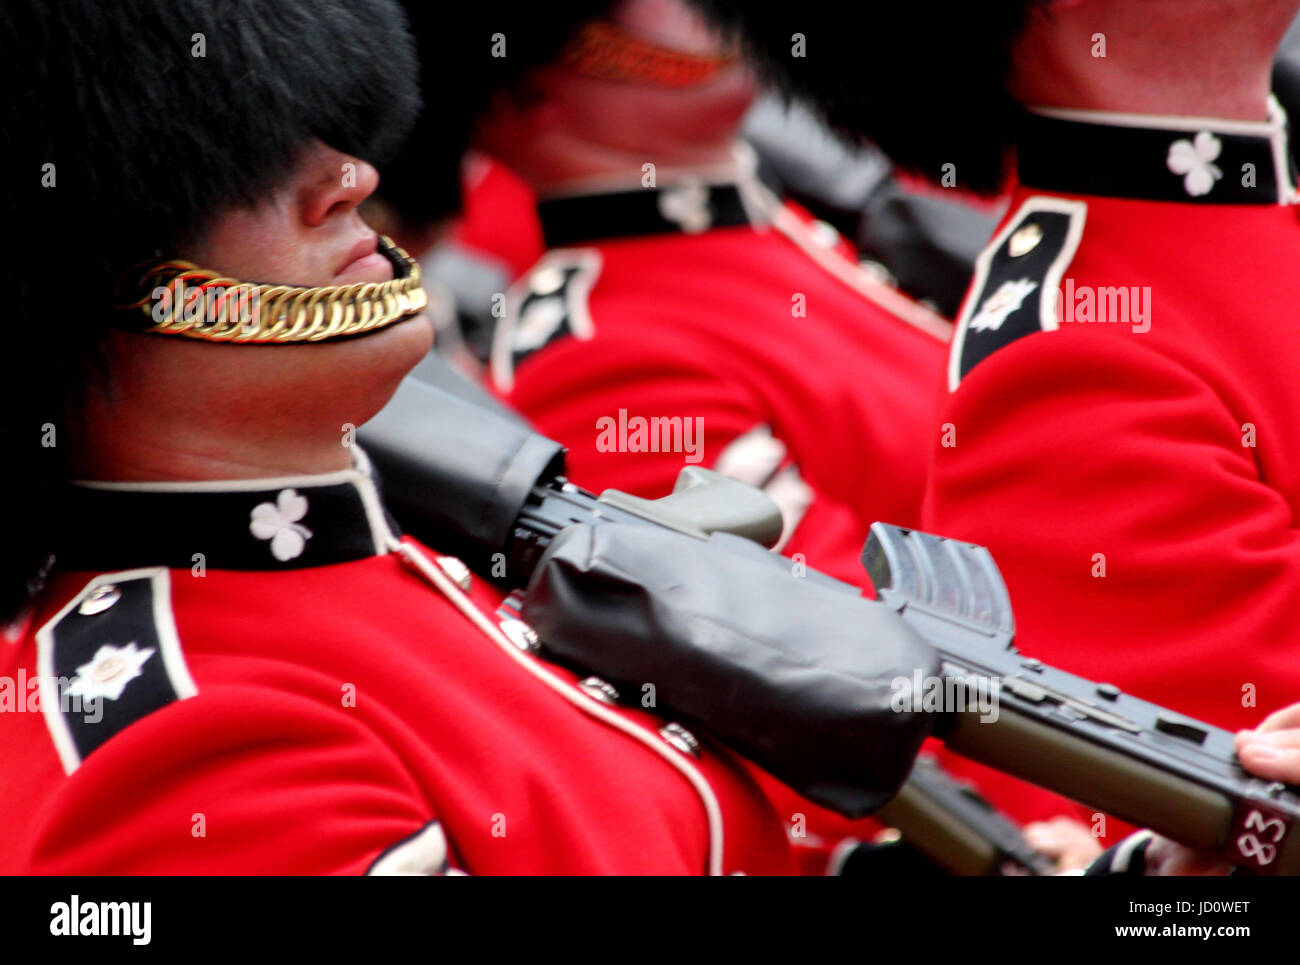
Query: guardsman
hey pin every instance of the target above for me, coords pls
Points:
(1121, 390)
(682, 314)
(1123, 395)
(237, 663)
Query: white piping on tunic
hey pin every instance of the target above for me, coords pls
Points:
(712, 811)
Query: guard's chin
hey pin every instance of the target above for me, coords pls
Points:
(414, 334)
(422, 332)
(387, 356)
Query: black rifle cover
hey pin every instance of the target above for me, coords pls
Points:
(454, 472)
(796, 673)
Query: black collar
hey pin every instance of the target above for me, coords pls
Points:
(687, 205)
(257, 524)
(1187, 159)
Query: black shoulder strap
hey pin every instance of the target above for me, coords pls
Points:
(1014, 292)
(109, 658)
(548, 303)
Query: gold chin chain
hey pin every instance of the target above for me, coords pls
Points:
(179, 298)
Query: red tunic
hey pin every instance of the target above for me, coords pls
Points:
(1137, 477)
(498, 219)
(322, 704)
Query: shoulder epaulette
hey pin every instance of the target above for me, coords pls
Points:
(110, 657)
(548, 303)
(1015, 288)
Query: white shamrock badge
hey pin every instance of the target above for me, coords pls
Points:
(108, 672)
(1193, 159)
(278, 522)
(687, 206)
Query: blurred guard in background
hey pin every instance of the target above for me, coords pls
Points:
(911, 233)
(676, 287)
(234, 661)
(1157, 222)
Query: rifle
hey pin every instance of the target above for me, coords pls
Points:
(950, 823)
(496, 492)
(944, 819)
(478, 483)
(1085, 740)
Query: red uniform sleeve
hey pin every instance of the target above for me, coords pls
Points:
(572, 389)
(569, 387)
(1139, 542)
(241, 781)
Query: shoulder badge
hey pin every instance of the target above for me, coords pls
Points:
(109, 658)
(1014, 291)
(548, 303)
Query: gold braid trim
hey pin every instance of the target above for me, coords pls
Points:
(603, 49)
(179, 298)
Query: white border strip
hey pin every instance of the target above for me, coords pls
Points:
(228, 485)
(607, 715)
(1186, 124)
(423, 853)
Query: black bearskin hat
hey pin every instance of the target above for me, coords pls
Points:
(458, 75)
(923, 81)
(127, 125)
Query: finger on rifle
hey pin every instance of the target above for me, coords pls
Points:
(1282, 719)
(1275, 755)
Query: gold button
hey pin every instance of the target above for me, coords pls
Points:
(680, 738)
(455, 570)
(521, 635)
(1025, 239)
(601, 690)
(100, 600)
